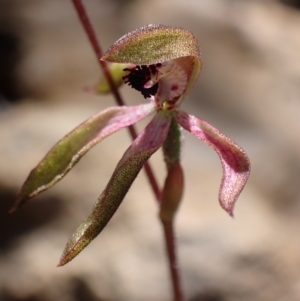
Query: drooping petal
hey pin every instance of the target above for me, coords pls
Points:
(235, 163)
(156, 43)
(125, 173)
(69, 150)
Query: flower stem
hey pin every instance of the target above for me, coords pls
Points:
(85, 21)
(170, 240)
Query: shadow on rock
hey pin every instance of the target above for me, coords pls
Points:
(38, 214)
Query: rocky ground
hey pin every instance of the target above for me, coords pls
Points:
(249, 88)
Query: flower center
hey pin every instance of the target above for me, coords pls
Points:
(165, 82)
(139, 78)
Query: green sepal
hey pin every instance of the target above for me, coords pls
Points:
(151, 44)
(106, 206)
(117, 73)
(69, 150)
(125, 173)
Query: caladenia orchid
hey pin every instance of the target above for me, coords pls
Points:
(163, 64)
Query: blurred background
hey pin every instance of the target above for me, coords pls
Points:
(249, 89)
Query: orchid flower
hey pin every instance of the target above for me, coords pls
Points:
(163, 64)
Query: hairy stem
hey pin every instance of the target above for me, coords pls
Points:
(171, 197)
(87, 25)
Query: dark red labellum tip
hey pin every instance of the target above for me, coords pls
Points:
(139, 76)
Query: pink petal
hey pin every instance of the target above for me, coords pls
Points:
(235, 163)
(69, 150)
(148, 142)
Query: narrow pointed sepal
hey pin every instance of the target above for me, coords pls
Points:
(125, 173)
(69, 150)
(235, 163)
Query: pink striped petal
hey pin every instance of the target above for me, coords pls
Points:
(235, 163)
(69, 150)
(148, 142)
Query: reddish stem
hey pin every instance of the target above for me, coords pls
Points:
(173, 264)
(99, 53)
